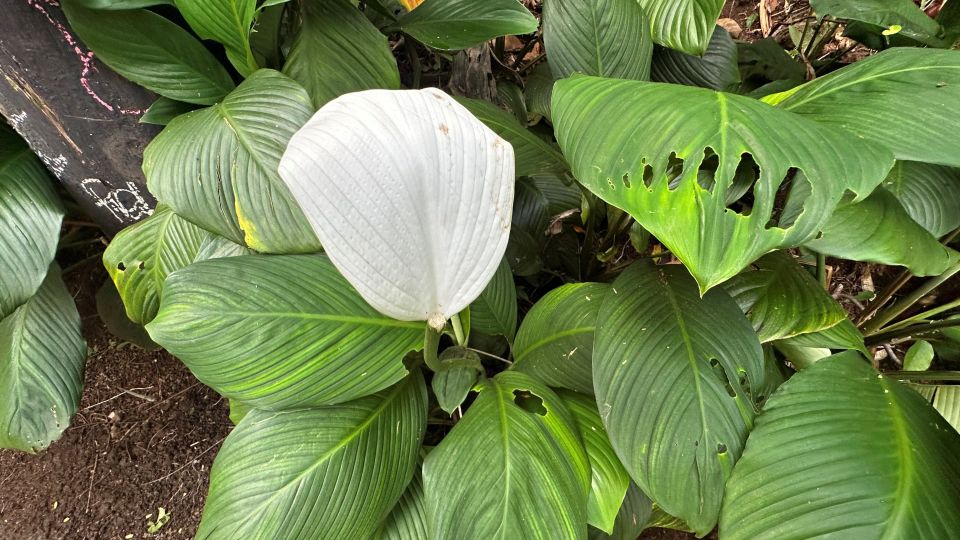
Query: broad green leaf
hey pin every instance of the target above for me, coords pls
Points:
(513, 467)
(30, 216)
(42, 356)
(879, 230)
(606, 38)
(901, 98)
(843, 335)
(238, 410)
(532, 154)
(929, 193)
(800, 356)
(538, 90)
(539, 199)
(672, 374)
(226, 21)
(164, 110)
(683, 25)
(604, 128)
(905, 14)
(336, 471)
(421, 229)
(338, 51)
(608, 479)
(944, 398)
(555, 340)
(152, 52)
(408, 519)
(141, 257)
(716, 69)
(120, 4)
(918, 357)
(782, 300)
(494, 312)
(459, 372)
(217, 167)
(631, 519)
(459, 24)
(280, 332)
(814, 468)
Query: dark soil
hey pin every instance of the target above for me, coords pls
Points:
(144, 438)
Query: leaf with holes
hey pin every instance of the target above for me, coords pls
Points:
(280, 332)
(217, 167)
(603, 127)
(672, 374)
(555, 340)
(42, 355)
(338, 469)
(606, 38)
(782, 299)
(521, 429)
(814, 468)
(420, 230)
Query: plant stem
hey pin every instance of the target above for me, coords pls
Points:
(883, 337)
(822, 270)
(924, 315)
(414, 58)
(458, 330)
(431, 341)
(884, 296)
(883, 318)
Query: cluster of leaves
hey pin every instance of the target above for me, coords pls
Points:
(637, 394)
(42, 353)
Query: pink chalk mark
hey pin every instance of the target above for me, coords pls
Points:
(86, 58)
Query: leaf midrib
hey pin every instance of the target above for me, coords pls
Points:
(905, 478)
(814, 95)
(367, 321)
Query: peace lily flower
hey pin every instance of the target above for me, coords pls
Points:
(410, 195)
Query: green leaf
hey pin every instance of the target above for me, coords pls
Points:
(30, 217)
(113, 314)
(152, 52)
(944, 398)
(513, 467)
(494, 312)
(929, 193)
(42, 355)
(338, 470)
(408, 519)
(901, 98)
(538, 90)
(532, 154)
(683, 25)
(604, 128)
(539, 198)
(141, 257)
(814, 468)
(672, 374)
(879, 230)
(226, 21)
(555, 340)
(238, 410)
(452, 383)
(782, 300)
(608, 479)
(716, 69)
(918, 357)
(913, 22)
(164, 110)
(459, 24)
(217, 167)
(606, 38)
(338, 51)
(631, 519)
(843, 335)
(280, 332)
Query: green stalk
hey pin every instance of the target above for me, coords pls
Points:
(822, 271)
(924, 315)
(874, 325)
(925, 375)
(431, 341)
(458, 330)
(916, 330)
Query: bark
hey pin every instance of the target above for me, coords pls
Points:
(78, 116)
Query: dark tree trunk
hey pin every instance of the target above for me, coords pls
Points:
(76, 114)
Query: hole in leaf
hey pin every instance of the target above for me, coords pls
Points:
(141, 265)
(721, 448)
(121, 267)
(626, 180)
(722, 375)
(529, 402)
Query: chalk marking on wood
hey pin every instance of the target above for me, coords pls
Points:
(124, 203)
